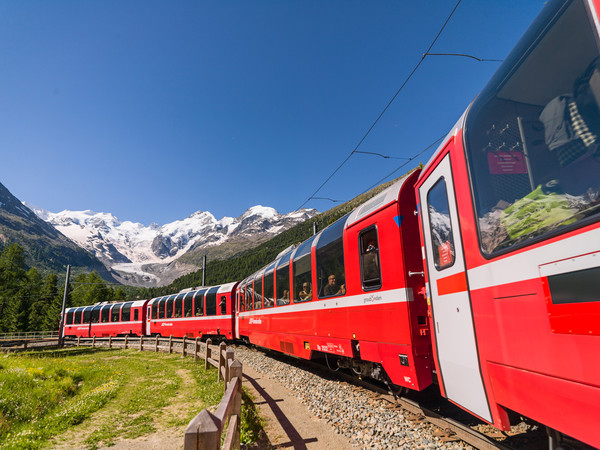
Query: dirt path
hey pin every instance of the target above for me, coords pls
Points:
(289, 423)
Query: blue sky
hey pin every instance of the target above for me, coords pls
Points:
(152, 110)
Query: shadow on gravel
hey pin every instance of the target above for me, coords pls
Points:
(296, 440)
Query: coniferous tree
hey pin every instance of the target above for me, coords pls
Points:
(12, 274)
(45, 311)
(29, 292)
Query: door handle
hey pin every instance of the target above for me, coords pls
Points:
(412, 274)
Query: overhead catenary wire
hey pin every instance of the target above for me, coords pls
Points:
(384, 109)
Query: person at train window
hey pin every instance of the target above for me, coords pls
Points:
(332, 288)
(371, 246)
(306, 292)
(223, 305)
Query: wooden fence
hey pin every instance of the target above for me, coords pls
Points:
(206, 429)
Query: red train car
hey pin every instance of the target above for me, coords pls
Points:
(106, 319)
(353, 293)
(118, 319)
(77, 322)
(509, 206)
(206, 311)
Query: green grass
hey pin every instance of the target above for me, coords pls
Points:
(95, 397)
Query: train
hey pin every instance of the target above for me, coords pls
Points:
(479, 272)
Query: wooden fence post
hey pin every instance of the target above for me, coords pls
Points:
(228, 359)
(196, 349)
(222, 362)
(110, 342)
(207, 355)
(156, 344)
(94, 342)
(235, 371)
(203, 432)
(184, 348)
(170, 344)
(126, 338)
(78, 340)
(141, 343)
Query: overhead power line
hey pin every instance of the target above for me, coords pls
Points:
(461, 54)
(384, 109)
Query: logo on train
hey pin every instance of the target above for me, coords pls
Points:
(372, 299)
(255, 321)
(166, 324)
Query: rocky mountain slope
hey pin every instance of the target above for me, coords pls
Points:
(45, 247)
(152, 255)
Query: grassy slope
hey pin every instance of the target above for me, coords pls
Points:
(93, 397)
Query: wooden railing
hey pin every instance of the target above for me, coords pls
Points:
(206, 429)
(29, 335)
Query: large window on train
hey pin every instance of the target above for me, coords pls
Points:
(242, 298)
(77, 317)
(87, 314)
(249, 296)
(105, 314)
(161, 307)
(199, 303)
(211, 301)
(331, 274)
(136, 315)
(440, 225)
(370, 270)
(69, 319)
(258, 292)
(268, 286)
(533, 135)
(115, 313)
(126, 312)
(170, 302)
(155, 309)
(303, 272)
(282, 276)
(178, 306)
(187, 304)
(96, 314)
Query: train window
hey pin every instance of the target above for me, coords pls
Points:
(77, 320)
(302, 272)
(370, 269)
(87, 314)
(331, 274)
(199, 303)
(136, 315)
(249, 296)
(258, 292)
(223, 305)
(268, 287)
(211, 301)
(282, 278)
(161, 307)
(532, 137)
(169, 313)
(96, 314)
(187, 304)
(178, 306)
(155, 309)
(69, 320)
(440, 225)
(242, 298)
(115, 313)
(126, 312)
(105, 314)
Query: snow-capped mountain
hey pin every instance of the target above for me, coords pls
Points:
(144, 250)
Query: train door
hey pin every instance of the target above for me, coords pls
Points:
(454, 332)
